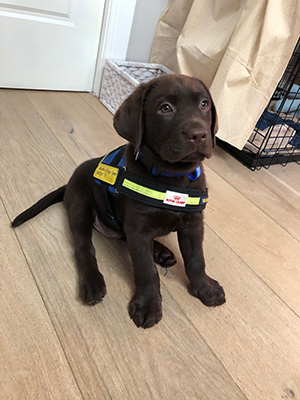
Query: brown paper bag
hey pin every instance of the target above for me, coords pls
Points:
(239, 49)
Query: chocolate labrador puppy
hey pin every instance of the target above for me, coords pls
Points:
(152, 186)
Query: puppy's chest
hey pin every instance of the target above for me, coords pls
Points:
(164, 222)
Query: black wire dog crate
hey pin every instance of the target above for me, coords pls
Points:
(276, 136)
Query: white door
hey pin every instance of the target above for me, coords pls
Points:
(49, 44)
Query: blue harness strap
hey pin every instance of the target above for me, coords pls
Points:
(154, 171)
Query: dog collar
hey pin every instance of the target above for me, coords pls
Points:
(111, 171)
(155, 171)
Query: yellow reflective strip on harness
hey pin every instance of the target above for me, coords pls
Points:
(106, 173)
(154, 194)
(193, 201)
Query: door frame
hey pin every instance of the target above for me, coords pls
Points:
(115, 34)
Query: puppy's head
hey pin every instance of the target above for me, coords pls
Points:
(174, 115)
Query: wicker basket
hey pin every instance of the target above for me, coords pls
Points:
(121, 77)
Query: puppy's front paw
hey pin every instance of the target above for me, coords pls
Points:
(208, 291)
(145, 310)
(92, 287)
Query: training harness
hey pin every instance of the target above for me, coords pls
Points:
(113, 178)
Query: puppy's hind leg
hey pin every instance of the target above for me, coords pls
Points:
(92, 287)
(162, 255)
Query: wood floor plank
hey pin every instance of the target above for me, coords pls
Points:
(264, 246)
(18, 121)
(274, 196)
(109, 356)
(288, 174)
(255, 335)
(32, 362)
(95, 104)
(68, 112)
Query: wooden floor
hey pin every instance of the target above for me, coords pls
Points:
(53, 347)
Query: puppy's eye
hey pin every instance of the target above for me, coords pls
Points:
(165, 109)
(204, 104)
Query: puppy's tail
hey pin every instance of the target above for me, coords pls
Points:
(41, 205)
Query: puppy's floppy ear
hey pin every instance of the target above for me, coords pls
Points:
(129, 118)
(214, 122)
(214, 118)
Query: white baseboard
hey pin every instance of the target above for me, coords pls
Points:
(115, 35)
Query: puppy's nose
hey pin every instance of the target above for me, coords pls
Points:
(196, 135)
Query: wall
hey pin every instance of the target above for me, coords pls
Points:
(143, 28)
